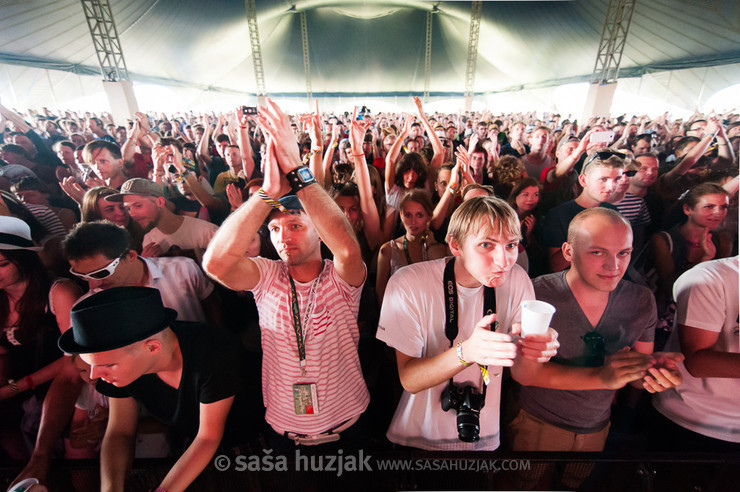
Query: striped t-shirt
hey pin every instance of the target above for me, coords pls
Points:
(331, 340)
(634, 209)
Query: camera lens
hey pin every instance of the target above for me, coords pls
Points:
(172, 169)
(468, 426)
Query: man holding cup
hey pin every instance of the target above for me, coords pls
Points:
(452, 323)
(606, 327)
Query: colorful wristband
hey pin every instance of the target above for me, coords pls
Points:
(460, 355)
(271, 201)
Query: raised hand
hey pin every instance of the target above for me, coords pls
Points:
(241, 118)
(143, 121)
(334, 132)
(357, 130)
(159, 158)
(713, 126)
(406, 126)
(312, 124)
(274, 184)
(134, 132)
(72, 189)
(234, 195)
(419, 106)
(528, 226)
(176, 157)
(708, 249)
(473, 143)
(462, 154)
(92, 181)
(275, 124)
(455, 183)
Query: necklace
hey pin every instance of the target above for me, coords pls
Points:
(423, 248)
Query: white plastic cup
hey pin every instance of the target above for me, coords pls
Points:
(24, 485)
(536, 317)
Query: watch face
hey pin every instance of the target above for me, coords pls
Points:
(305, 175)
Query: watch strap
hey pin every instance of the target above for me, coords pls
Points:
(299, 178)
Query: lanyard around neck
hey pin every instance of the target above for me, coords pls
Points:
(423, 247)
(297, 326)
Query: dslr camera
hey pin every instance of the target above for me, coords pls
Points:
(467, 401)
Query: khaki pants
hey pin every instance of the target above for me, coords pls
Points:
(529, 433)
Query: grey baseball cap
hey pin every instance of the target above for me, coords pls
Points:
(137, 186)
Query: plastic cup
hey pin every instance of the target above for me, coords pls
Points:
(536, 317)
(24, 485)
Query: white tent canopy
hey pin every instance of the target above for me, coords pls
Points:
(188, 54)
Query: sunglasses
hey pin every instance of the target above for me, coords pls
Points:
(605, 154)
(630, 173)
(595, 350)
(101, 273)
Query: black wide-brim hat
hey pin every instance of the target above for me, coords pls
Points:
(115, 318)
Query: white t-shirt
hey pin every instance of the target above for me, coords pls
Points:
(192, 234)
(412, 321)
(331, 340)
(181, 283)
(707, 299)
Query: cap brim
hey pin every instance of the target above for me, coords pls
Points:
(118, 197)
(68, 345)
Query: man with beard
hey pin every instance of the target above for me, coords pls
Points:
(313, 387)
(166, 232)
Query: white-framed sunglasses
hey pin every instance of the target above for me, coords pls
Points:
(101, 273)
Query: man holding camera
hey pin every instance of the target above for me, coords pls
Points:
(452, 323)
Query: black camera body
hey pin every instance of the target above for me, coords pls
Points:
(467, 401)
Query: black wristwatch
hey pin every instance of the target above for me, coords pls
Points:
(299, 178)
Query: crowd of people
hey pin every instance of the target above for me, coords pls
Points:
(178, 285)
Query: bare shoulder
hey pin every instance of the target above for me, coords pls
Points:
(65, 287)
(385, 248)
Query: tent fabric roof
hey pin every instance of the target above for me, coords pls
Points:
(375, 47)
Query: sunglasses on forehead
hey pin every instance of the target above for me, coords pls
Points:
(604, 155)
(99, 274)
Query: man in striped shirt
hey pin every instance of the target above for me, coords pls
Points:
(631, 197)
(312, 383)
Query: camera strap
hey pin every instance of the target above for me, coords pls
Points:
(450, 287)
